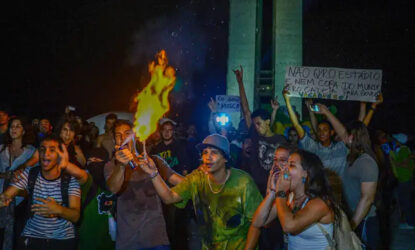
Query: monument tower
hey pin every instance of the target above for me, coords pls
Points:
(265, 36)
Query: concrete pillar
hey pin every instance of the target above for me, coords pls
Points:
(288, 42)
(242, 49)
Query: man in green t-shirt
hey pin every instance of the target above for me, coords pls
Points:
(224, 199)
(403, 165)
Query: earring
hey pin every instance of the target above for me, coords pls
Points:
(303, 179)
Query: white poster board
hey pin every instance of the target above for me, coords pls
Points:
(334, 83)
(228, 103)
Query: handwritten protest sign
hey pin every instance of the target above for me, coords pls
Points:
(228, 103)
(334, 83)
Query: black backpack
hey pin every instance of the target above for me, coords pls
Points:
(33, 174)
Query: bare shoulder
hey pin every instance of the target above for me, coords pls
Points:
(319, 206)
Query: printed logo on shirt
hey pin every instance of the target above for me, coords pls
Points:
(169, 158)
(266, 154)
(106, 203)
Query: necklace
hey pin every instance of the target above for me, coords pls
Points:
(223, 185)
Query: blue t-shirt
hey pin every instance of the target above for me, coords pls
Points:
(48, 228)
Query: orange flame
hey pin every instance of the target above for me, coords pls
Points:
(152, 101)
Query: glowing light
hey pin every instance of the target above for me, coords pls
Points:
(152, 101)
(222, 119)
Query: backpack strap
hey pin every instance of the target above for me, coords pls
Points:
(31, 181)
(330, 240)
(65, 179)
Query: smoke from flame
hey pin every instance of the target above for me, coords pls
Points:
(152, 101)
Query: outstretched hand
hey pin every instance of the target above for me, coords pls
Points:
(63, 157)
(212, 105)
(239, 73)
(147, 164)
(308, 102)
(275, 104)
(379, 100)
(286, 92)
(322, 109)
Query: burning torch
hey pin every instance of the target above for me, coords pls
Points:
(152, 101)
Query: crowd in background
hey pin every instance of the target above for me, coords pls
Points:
(103, 200)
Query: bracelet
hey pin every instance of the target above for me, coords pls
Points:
(154, 175)
(271, 190)
(282, 194)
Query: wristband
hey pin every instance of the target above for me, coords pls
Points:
(282, 194)
(154, 175)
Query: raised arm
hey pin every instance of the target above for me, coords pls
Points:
(266, 211)
(275, 106)
(373, 106)
(293, 116)
(211, 122)
(368, 190)
(166, 194)
(337, 125)
(362, 111)
(313, 118)
(239, 73)
(80, 175)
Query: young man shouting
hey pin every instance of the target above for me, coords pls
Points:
(54, 197)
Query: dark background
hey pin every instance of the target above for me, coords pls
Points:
(93, 54)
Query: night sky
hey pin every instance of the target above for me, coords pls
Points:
(93, 54)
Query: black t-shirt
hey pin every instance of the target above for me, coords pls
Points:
(262, 158)
(175, 154)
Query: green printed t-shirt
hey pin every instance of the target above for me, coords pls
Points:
(403, 174)
(93, 230)
(223, 218)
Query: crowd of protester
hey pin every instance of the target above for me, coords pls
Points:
(264, 184)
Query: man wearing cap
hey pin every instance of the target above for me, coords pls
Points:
(225, 199)
(4, 123)
(172, 150)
